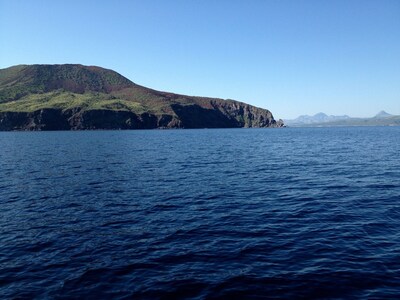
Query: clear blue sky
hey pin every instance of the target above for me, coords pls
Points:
(292, 57)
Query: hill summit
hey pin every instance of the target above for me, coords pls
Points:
(383, 114)
(74, 97)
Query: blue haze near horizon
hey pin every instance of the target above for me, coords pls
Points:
(292, 57)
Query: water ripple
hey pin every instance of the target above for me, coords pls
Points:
(202, 214)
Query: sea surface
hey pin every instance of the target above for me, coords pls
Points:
(293, 213)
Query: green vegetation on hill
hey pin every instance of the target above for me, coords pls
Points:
(68, 100)
(19, 81)
(28, 88)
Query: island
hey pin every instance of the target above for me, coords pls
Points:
(77, 97)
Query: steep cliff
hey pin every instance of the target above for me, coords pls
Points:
(76, 97)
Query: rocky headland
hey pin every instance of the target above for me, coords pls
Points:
(76, 97)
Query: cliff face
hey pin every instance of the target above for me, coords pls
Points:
(75, 97)
(191, 116)
(55, 119)
(225, 114)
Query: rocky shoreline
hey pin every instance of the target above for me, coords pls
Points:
(76, 119)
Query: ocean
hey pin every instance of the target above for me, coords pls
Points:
(291, 213)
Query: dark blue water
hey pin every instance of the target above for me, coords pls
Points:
(243, 213)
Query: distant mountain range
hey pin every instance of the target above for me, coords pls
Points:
(76, 97)
(323, 120)
(317, 118)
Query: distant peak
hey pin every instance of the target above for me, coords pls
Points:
(382, 114)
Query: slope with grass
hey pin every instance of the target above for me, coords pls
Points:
(64, 97)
